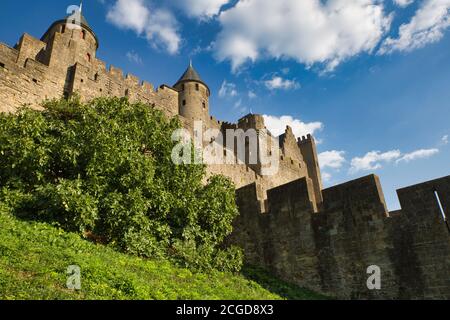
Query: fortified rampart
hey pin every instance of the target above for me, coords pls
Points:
(321, 239)
(64, 62)
(330, 249)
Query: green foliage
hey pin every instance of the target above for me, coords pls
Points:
(104, 169)
(31, 269)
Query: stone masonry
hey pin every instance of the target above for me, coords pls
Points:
(320, 239)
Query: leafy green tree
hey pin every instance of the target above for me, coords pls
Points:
(104, 170)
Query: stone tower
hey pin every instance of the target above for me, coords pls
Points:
(193, 95)
(74, 33)
(308, 150)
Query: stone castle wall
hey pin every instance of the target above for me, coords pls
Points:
(64, 63)
(35, 71)
(330, 249)
(320, 239)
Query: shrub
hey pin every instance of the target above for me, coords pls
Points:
(104, 169)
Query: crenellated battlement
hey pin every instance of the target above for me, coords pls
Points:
(323, 239)
(64, 63)
(304, 140)
(329, 249)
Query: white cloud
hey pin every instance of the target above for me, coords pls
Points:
(280, 83)
(373, 160)
(326, 177)
(403, 3)
(227, 90)
(134, 57)
(427, 26)
(251, 95)
(129, 14)
(159, 26)
(202, 9)
(239, 107)
(309, 31)
(332, 159)
(444, 139)
(277, 125)
(419, 154)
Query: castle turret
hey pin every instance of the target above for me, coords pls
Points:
(308, 150)
(75, 33)
(193, 95)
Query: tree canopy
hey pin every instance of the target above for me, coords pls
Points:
(104, 170)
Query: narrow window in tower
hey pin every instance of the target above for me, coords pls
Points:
(83, 34)
(204, 105)
(182, 87)
(127, 93)
(197, 87)
(63, 28)
(88, 57)
(184, 102)
(96, 77)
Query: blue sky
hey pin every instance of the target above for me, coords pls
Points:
(369, 78)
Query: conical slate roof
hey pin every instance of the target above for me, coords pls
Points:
(191, 75)
(83, 23)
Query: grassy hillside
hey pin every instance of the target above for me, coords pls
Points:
(34, 258)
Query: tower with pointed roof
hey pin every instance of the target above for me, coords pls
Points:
(193, 95)
(75, 33)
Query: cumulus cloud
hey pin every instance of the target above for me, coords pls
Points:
(159, 26)
(427, 26)
(309, 31)
(403, 3)
(227, 90)
(419, 154)
(279, 83)
(444, 139)
(131, 14)
(277, 125)
(332, 159)
(374, 160)
(202, 9)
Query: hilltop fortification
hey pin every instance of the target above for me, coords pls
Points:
(321, 239)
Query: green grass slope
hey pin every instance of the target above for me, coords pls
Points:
(34, 258)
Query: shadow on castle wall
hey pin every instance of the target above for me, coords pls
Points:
(330, 249)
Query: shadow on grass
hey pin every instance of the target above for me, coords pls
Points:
(286, 290)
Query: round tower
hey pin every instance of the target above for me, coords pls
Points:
(74, 32)
(193, 95)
